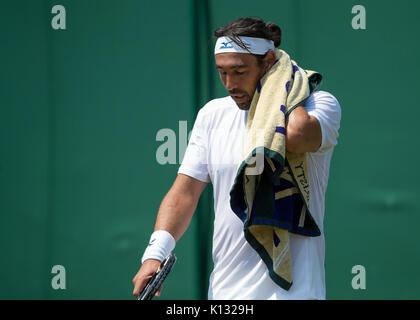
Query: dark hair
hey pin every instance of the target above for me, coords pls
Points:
(249, 27)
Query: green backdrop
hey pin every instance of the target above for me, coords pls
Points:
(80, 110)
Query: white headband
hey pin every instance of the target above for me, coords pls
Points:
(254, 45)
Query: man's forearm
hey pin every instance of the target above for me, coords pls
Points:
(174, 215)
(178, 206)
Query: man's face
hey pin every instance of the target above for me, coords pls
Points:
(240, 73)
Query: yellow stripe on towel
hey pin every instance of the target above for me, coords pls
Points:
(286, 193)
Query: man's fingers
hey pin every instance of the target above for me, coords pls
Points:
(147, 270)
(136, 291)
(139, 285)
(157, 294)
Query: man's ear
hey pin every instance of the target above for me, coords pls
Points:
(269, 60)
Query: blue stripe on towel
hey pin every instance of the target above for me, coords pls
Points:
(287, 86)
(276, 239)
(281, 130)
(283, 109)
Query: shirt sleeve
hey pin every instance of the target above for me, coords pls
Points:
(325, 107)
(194, 163)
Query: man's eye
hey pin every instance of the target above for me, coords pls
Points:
(240, 72)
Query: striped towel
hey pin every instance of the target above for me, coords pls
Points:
(271, 189)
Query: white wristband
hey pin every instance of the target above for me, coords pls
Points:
(160, 246)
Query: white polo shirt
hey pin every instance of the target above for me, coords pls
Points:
(213, 154)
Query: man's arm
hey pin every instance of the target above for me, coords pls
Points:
(303, 133)
(174, 216)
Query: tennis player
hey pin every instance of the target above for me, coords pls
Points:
(213, 155)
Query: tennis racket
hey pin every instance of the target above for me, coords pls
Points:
(156, 281)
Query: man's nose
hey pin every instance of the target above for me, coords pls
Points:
(230, 83)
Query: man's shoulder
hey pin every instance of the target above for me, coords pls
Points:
(323, 98)
(323, 103)
(216, 106)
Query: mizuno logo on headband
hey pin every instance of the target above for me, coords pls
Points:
(226, 45)
(254, 45)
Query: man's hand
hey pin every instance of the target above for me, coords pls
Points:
(146, 271)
